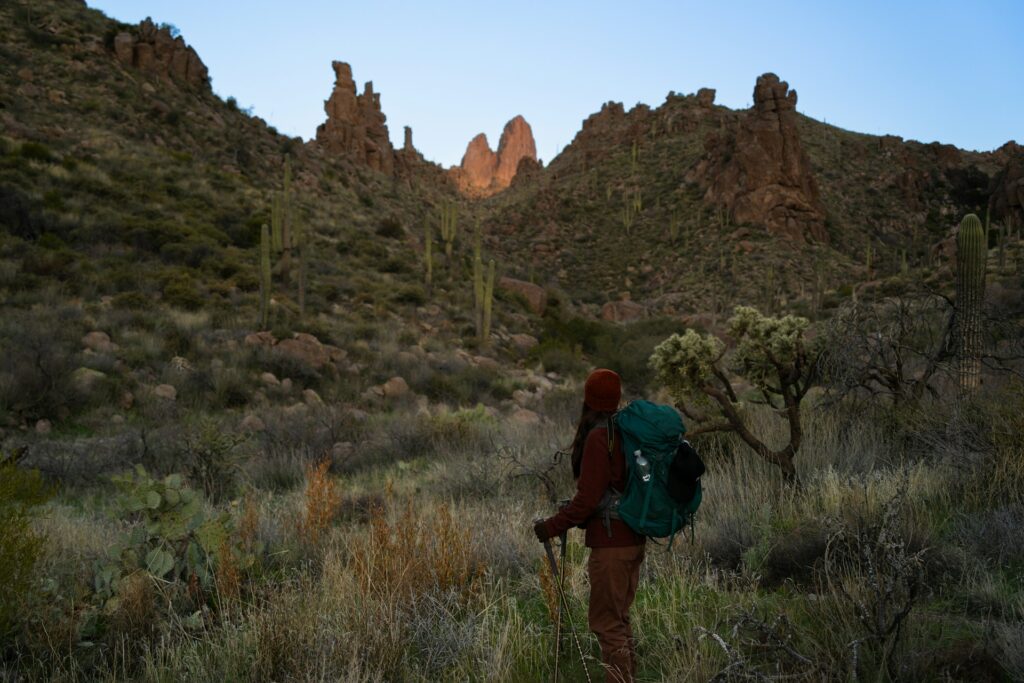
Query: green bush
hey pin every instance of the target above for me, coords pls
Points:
(21, 491)
(181, 291)
(36, 152)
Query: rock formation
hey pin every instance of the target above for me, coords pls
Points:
(759, 171)
(154, 50)
(1008, 185)
(355, 124)
(484, 172)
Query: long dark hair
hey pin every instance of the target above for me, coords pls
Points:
(589, 419)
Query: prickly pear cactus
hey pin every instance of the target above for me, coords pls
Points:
(173, 538)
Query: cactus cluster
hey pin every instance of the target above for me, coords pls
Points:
(483, 291)
(971, 256)
(178, 541)
(284, 236)
(449, 219)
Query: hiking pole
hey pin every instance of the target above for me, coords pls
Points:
(565, 605)
(558, 612)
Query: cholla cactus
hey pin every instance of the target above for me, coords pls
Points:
(772, 353)
(971, 254)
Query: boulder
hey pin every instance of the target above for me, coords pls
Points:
(525, 417)
(523, 342)
(622, 311)
(270, 379)
(342, 451)
(311, 398)
(165, 391)
(706, 97)
(84, 380)
(99, 342)
(395, 387)
(487, 363)
(260, 339)
(251, 423)
(306, 349)
(535, 295)
(43, 427)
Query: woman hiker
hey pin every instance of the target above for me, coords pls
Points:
(616, 552)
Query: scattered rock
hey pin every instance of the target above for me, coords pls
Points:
(486, 363)
(622, 311)
(117, 419)
(286, 385)
(270, 379)
(99, 342)
(522, 398)
(251, 423)
(260, 339)
(524, 342)
(535, 295)
(312, 398)
(395, 387)
(342, 451)
(43, 427)
(295, 410)
(166, 392)
(84, 380)
(306, 349)
(127, 400)
(525, 417)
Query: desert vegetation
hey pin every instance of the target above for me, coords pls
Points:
(284, 410)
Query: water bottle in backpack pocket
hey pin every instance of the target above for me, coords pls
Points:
(663, 489)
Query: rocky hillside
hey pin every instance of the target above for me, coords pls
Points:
(689, 207)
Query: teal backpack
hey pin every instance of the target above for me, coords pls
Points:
(663, 489)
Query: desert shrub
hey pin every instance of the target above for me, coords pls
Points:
(463, 386)
(21, 491)
(18, 214)
(36, 151)
(181, 291)
(38, 361)
(211, 457)
(321, 502)
(391, 228)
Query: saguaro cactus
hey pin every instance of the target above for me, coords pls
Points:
(286, 220)
(264, 276)
(449, 227)
(971, 255)
(488, 303)
(299, 239)
(428, 253)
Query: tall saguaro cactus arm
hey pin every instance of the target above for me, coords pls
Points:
(971, 255)
(264, 276)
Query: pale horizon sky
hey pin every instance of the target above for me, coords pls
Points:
(945, 71)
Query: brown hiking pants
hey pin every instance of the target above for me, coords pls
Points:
(614, 574)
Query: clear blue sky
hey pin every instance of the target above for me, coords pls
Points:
(927, 70)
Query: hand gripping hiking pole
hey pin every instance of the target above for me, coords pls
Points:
(559, 578)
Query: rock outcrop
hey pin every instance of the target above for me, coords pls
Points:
(153, 50)
(484, 172)
(355, 124)
(759, 171)
(1008, 185)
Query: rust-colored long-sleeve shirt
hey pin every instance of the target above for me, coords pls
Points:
(599, 470)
